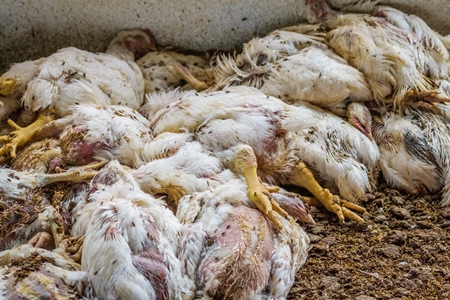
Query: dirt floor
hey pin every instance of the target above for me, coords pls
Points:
(402, 251)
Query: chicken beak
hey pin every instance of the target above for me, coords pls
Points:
(293, 205)
(305, 217)
(364, 127)
(148, 48)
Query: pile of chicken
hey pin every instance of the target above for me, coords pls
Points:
(150, 173)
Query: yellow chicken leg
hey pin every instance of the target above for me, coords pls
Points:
(245, 163)
(21, 135)
(189, 78)
(75, 175)
(7, 86)
(303, 177)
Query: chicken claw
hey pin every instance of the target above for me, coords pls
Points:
(21, 135)
(7, 86)
(303, 177)
(260, 195)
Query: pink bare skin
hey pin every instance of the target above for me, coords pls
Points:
(42, 240)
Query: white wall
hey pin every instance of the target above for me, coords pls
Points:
(30, 29)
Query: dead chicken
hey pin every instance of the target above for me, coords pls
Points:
(98, 133)
(254, 134)
(398, 53)
(293, 67)
(43, 266)
(49, 86)
(131, 239)
(233, 251)
(414, 150)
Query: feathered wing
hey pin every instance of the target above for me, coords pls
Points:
(335, 151)
(191, 169)
(112, 131)
(290, 252)
(154, 102)
(392, 65)
(317, 76)
(189, 113)
(72, 76)
(14, 184)
(293, 67)
(434, 49)
(408, 160)
(138, 237)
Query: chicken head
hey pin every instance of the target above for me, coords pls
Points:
(137, 42)
(317, 10)
(359, 116)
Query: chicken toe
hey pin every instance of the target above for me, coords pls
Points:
(260, 195)
(303, 177)
(21, 135)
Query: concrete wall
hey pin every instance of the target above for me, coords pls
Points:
(30, 29)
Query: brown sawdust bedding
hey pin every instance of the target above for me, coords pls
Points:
(400, 252)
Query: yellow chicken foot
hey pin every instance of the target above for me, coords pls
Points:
(189, 78)
(259, 194)
(346, 206)
(7, 86)
(311, 201)
(21, 135)
(303, 177)
(77, 174)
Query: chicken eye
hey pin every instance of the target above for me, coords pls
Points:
(234, 82)
(261, 59)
